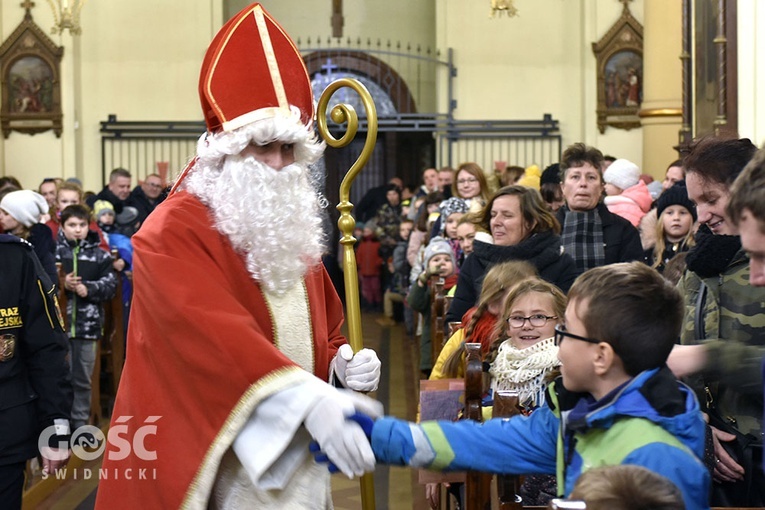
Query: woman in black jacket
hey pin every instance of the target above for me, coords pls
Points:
(20, 213)
(522, 228)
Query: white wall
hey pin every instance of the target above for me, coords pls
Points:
(751, 71)
(140, 60)
(539, 62)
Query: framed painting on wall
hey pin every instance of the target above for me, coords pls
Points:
(30, 81)
(619, 56)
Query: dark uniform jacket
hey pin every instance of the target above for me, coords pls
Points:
(35, 386)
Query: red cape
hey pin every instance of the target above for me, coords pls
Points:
(200, 355)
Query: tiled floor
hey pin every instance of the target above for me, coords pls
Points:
(395, 488)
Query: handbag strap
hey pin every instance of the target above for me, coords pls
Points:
(698, 320)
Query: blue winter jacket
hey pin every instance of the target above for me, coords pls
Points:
(651, 421)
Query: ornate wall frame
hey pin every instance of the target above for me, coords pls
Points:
(619, 56)
(30, 70)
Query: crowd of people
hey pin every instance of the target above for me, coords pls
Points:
(630, 325)
(605, 212)
(92, 245)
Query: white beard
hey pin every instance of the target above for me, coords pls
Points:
(271, 217)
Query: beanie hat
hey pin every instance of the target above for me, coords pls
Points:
(676, 195)
(101, 207)
(451, 206)
(531, 177)
(437, 246)
(622, 174)
(128, 215)
(25, 206)
(551, 175)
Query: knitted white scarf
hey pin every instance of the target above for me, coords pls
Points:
(524, 370)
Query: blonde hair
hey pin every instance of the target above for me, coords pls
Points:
(498, 280)
(533, 284)
(626, 487)
(658, 249)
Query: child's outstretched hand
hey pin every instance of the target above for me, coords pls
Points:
(365, 422)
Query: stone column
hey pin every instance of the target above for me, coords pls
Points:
(661, 110)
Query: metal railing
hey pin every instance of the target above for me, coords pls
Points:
(142, 146)
(405, 78)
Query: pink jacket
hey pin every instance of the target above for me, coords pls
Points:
(632, 204)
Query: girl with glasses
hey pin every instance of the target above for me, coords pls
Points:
(525, 357)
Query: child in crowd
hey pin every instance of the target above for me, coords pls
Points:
(675, 227)
(627, 195)
(422, 226)
(452, 210)
(89, 281)
(479, 324)
(615, 403)
(369, 264)
(466, 230)
(399, 281)
(70, 193)
(626, 488)
(103, 211)
(439, 260)
(525, 360)
(525, 355)
(549, 187)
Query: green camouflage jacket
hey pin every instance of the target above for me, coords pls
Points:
(732, 327)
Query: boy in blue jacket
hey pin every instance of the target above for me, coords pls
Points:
(615, 403)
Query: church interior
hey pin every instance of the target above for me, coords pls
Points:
(497, 82)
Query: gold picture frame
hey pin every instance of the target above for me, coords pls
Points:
(30, 68)
(619, 56)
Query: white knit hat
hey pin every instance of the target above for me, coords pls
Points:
(25, 206)
(439, 246)
(622, 174)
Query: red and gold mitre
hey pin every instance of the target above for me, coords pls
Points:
(252, 71)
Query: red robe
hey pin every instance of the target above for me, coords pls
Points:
(201, 354)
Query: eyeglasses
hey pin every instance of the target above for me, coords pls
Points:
(536, 321)
(560, 333)
(467, 181)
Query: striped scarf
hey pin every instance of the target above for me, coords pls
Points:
(582, 238)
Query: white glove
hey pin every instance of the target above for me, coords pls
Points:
(342, 440)
(358, 372)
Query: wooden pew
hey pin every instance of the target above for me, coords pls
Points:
(437, 316)
(477, 484)
(508, 486)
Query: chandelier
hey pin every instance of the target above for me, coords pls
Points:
(500, 8)
(66, 15)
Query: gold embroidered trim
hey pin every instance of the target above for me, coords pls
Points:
(200, 488)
